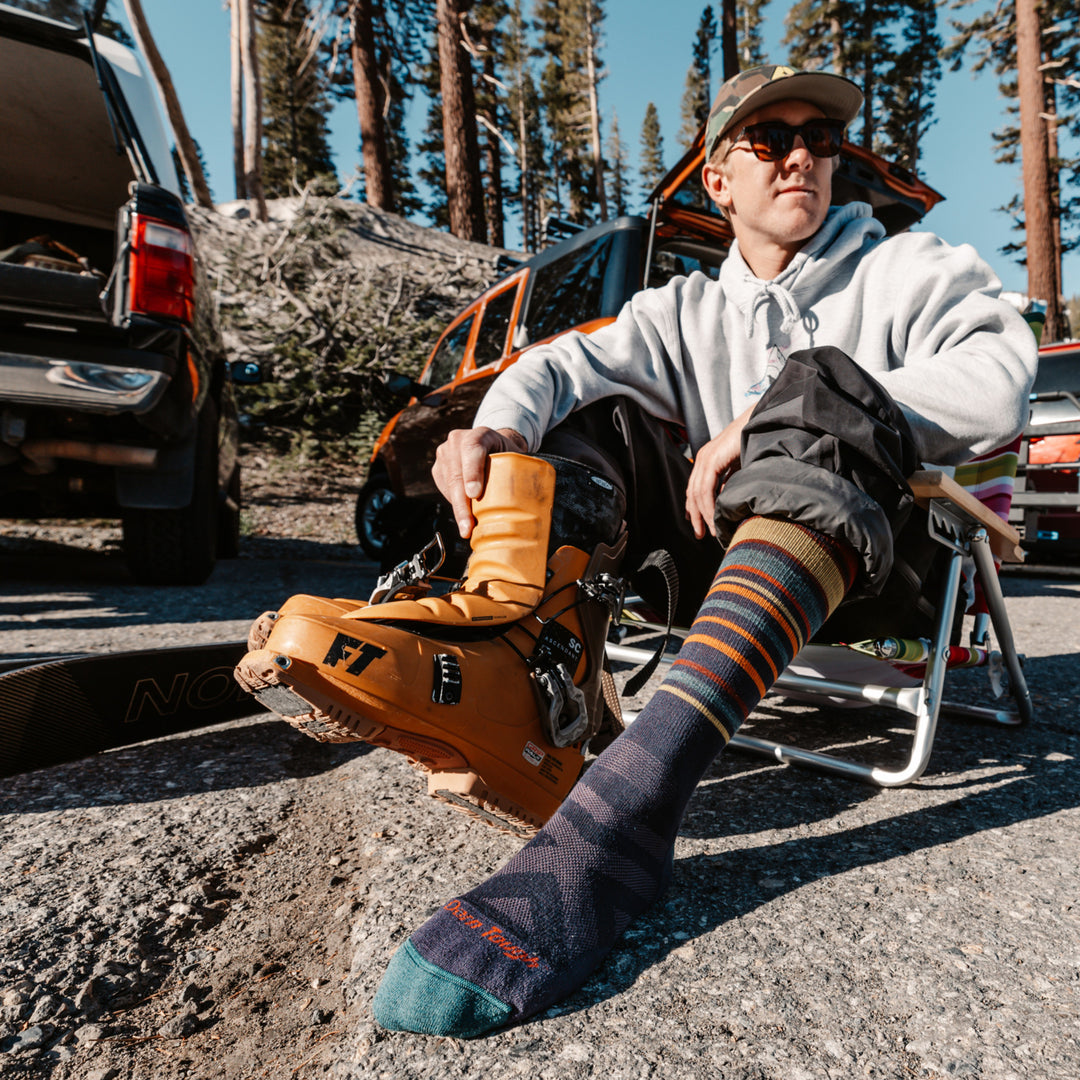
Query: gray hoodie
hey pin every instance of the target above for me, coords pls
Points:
(924, 318)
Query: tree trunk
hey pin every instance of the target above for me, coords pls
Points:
(594, 110)
(836, 32)
(236, 98)
(249, 53)
(1038, 228)
(493, 191)
(463, 191)
(868, 77)
(729, 39)
(370, 109)
(527, 233)
(185, 145)
(1054, 173)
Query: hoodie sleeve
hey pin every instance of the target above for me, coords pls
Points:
(963, 360)
(639, 356)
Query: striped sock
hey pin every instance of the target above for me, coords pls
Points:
(533, 932)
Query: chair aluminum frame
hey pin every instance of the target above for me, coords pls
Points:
(967, 528)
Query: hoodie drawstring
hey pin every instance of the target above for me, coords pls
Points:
(769, 291)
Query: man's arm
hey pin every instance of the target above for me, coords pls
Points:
(713, 464)
(639, 356)
(968, 357)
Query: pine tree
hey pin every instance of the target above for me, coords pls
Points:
(380, 77)
(696, 97)
(251, 76)
(296, 101)
(568, 33)
(432, 171)
(909, 87)
(617, 166)
(370, 93)
(651, 167)
(486, 26)
(186, 150)
(523, 105)
(749, 43)
(456, 86)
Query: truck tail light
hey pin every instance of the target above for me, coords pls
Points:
(162, 270)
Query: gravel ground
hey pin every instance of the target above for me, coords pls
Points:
(222, 903)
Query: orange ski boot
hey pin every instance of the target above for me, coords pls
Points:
(312, 605)
(493, 689)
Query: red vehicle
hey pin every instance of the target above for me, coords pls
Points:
(580, 283)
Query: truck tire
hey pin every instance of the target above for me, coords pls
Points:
(178, 546)
(228, 526)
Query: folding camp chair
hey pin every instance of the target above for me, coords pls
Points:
(974, 534)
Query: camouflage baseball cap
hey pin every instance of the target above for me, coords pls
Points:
(748, 91)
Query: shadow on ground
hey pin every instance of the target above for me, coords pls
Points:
(1014, 776)
(244, 754)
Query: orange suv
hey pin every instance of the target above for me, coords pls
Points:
(579, 283)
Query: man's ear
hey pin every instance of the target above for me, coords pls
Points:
(716, 185)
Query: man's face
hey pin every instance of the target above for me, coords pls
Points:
(774, 206)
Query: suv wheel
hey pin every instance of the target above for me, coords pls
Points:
(177, 546)
(392, 527)
(373, 509)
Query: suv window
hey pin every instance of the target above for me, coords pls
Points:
(491, 337)
(568, 291)
(679, 260)
(448, 356)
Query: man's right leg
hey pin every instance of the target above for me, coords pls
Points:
(534, 932)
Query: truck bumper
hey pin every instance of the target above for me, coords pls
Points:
(80, 385)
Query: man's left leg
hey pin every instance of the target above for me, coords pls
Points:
(534, 932)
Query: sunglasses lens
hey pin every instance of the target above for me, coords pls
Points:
(773, 140)
(770, 142)
(822, 140)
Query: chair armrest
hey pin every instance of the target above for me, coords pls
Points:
(928, 484)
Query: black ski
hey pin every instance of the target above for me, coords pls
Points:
(69, 707)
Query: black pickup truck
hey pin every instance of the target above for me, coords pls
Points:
(115, 392)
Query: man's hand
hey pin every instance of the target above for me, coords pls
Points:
(713, 463)
(458, 471)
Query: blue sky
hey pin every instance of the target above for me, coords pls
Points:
(646, 51)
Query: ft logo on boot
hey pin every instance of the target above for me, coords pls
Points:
(343, 649)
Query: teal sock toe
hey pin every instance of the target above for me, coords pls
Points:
(416, 995)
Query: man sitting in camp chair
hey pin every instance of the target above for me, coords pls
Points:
(821, 369)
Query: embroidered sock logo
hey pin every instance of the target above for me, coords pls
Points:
(495, 934)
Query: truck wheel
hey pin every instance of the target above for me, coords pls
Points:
(177, 546)
(228, 527)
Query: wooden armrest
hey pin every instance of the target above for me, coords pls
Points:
(930, 484)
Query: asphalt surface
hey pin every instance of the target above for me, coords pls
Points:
(815, 927)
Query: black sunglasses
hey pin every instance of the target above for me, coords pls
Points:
(773, 140)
